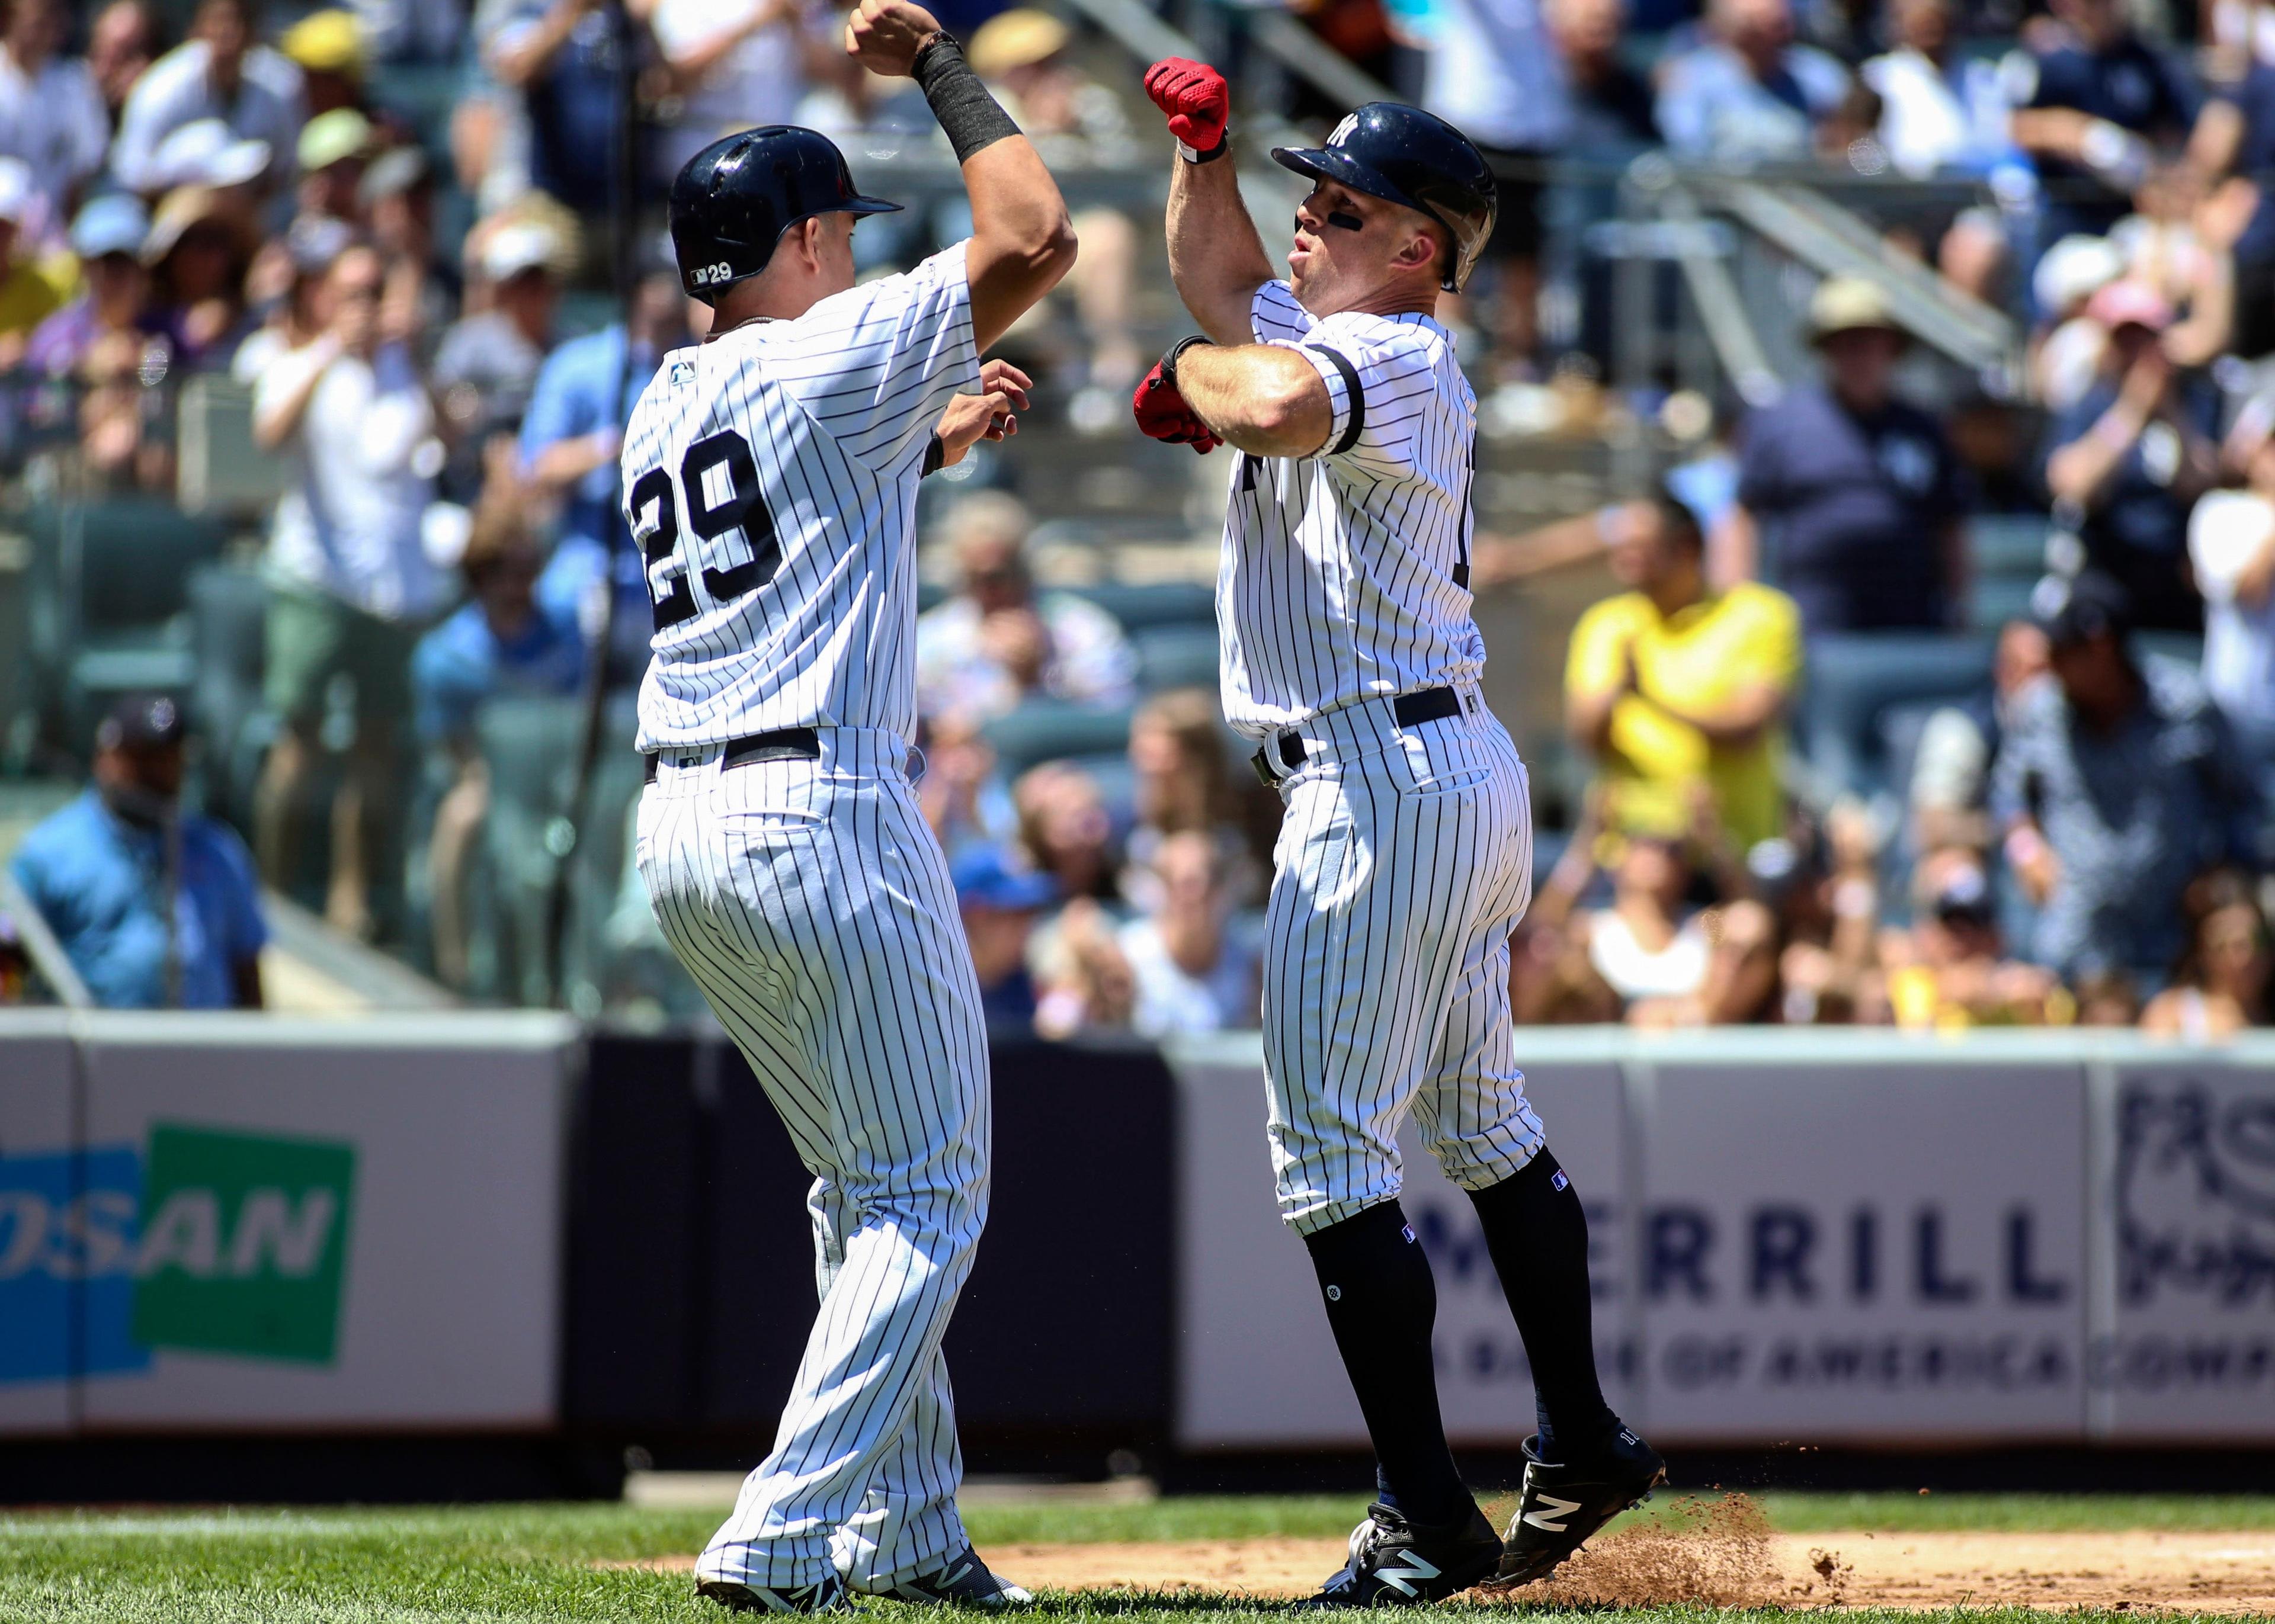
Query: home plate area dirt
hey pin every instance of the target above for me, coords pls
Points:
(1722, 1554)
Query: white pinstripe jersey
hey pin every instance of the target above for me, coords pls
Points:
(1345, 574)
(770, 480)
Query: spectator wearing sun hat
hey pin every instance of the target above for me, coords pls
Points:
(219, 72)
(1857, 499)
(2129, 459)
(328, 48)
(332, 151)
(206, 152)
(199, 247)
(51, 115)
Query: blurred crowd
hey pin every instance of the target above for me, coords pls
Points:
(398, 228)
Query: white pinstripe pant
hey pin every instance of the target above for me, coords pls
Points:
(1404, 862)
(812, 905)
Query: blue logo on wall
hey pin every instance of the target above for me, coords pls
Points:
(53, 1242)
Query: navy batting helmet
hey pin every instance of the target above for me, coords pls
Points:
(734, 199)
(1408, 156)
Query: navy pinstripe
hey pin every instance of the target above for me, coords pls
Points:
(809, 899)
(1405, 858)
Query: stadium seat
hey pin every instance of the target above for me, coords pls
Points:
(530, 746)
(1047, 729)
(1154, 603)
(229, 611)
(2008, 545)
(1855, 678)
(111, 595)
(1176, 657)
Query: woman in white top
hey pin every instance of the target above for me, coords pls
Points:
(1644, 945)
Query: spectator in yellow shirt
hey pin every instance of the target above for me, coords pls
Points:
(1669, 684)
(28, 293)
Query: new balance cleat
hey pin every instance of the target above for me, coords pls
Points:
(1563, 1504)
(964, 1581)
(827, 1596)
(1397, 1563)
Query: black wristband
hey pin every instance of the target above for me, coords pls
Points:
(968, 114)
(1169, 361)
(935, 456)
(1223, 146)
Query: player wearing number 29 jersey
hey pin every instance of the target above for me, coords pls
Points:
(770, 478)
(769, 482)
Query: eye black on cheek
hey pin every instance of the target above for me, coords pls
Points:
(1348, 222)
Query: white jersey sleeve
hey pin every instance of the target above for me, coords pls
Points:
(1381, 377)
(875, 365)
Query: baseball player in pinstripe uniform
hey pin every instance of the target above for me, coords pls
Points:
(1405, 855)
(770, 477)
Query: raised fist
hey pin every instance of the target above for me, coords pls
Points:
(1163, 414)
(884, 36)
(1195, 98)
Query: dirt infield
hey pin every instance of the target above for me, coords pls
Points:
(1724, 1554)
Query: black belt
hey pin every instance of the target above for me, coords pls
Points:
(783, 745)
(1410, 710)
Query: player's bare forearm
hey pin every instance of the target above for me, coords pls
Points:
(1021, 241)
(1263, 398)
(1216, 258)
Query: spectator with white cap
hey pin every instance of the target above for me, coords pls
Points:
(107, 237)
(51, 115)
(206, 152)
(355, 583)
(28, 295)
(219, 72)
(488, 361)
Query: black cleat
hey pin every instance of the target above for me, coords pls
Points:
(827, 1596)
(1562, 1504)
(964, 1580)
(1395, 1563)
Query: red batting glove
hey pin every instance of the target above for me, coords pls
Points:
(1163, 414)
(1196, 99)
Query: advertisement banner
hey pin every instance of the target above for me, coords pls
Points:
(319, 1224)
(44, 1222)
(1857, 1244)
(1256, 1363)
(2186, 1189)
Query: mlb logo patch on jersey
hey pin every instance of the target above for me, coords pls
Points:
(1559, 1180)
(683, 373)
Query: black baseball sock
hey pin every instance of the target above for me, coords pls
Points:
(1382, 1302)
(1539, 1239)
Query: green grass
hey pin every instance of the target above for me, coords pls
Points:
(505, 1565)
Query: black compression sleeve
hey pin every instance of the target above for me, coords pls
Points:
(967, 113)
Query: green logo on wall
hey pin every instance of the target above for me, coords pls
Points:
(243, 1244)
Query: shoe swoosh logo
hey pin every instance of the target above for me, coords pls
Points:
(1551, 1507)
(1400, 1579)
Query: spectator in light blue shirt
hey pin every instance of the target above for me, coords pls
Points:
(1750, 93)
(571, 437)
(148, 921)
